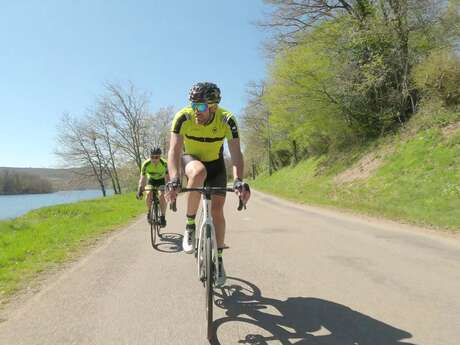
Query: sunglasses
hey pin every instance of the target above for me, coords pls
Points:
(155, 157)
(200, 107)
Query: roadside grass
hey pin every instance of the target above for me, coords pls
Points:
(418, 181)
(45, 237)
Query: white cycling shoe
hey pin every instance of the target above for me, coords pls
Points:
(188, 241)
(222, 277)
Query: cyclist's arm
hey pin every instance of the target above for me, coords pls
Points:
(142, 181)
(166, 177)
(237, 158)
(143, 177)
(176, 144)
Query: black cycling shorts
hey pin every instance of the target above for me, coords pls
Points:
(156, 183)
(216, 174)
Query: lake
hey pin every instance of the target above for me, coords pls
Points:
(12, 206)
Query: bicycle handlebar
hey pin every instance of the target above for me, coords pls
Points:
(211, 190)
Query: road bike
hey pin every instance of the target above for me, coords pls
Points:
(206, 249)
(154, 214)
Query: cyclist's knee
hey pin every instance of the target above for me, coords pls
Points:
(149, 195)
(196, 171)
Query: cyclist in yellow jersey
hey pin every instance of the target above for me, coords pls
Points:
(154, 172)
(197, 136)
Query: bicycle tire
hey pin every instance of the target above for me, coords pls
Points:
(152, 225)
(157, 220)
(201, 258)
(196, 237)
(154, 219)
(209, 286)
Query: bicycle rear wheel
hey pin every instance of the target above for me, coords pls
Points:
(209, 285)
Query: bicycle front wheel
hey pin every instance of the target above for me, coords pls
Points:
(157, 219)
(153, 233)
(209, 287)
(153, 224)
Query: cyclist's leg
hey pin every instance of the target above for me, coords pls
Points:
(161, 195)
(161, 199)
(162, 203)
(149, 197)
(217, 177)
(196, 175)
(217, 211)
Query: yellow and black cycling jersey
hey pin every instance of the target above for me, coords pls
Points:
(205, 141)
(154, 171)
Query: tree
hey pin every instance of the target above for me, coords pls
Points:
(79, 147)
(159, 128)
(127, 110)
(293, 17)
(255, 125)
(342, 70)
(118, 130)
(15, 182)
(103, 131)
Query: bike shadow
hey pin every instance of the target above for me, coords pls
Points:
(170, 243)
(297, 320)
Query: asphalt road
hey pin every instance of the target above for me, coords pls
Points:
(297, 275)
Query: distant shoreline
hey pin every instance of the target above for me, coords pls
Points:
(51, 192)
(7, 194)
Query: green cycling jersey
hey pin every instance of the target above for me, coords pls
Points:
(154, 171)
(205, 142)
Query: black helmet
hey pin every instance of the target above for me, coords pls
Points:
(156, 151)
(205, 92)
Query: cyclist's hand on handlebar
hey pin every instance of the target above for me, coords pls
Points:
(172, 188)
(242, 190)
(139, 194)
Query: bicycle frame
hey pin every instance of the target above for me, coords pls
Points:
(207, 223)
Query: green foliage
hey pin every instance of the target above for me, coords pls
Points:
(439, 77)
(299, 95)
(45, 237)
(346, 80)
(255, 130)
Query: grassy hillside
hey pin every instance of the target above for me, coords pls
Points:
(45, 237)
(412, 176)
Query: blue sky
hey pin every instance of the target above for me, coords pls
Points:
(55, 57)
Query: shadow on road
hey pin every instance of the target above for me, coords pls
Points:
(170, 243)
(256, 319)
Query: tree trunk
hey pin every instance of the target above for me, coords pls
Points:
(295, 152)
